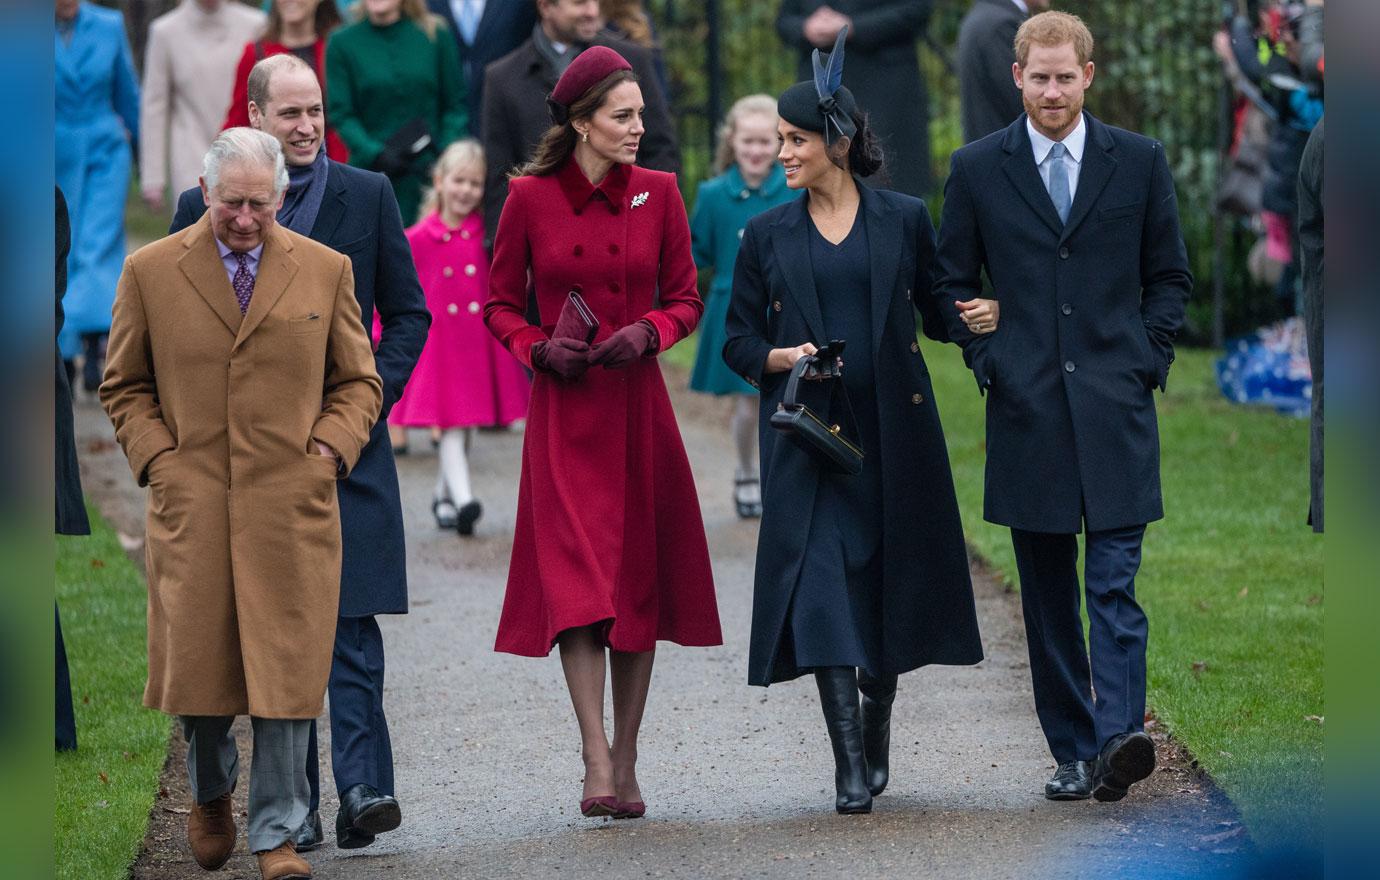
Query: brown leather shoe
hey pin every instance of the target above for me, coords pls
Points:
(283, 863)
(211, 832)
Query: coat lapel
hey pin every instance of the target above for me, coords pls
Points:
(276, 270)
(333, 208)
(791, 243)
(1020, 169)
(1097, 168)
(200, 263)
(884, 230)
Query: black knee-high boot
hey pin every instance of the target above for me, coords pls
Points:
(93, 347)
(877, 696)
(838, 695)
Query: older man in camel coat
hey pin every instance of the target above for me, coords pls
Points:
(242, 386)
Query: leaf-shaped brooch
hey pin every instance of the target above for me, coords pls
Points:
(640, 199)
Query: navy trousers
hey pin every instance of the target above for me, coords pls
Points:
(361, 751)
(1075, 726)
(66, 718)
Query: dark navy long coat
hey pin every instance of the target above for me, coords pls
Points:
(927, 596)
(359, 218)
(1089, 312)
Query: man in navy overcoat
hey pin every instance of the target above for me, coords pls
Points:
(1076, 225)
(354, 212)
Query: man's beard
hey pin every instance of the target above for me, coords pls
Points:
(1065, 119)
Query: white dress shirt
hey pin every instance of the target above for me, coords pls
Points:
(457, 9)
(1073, 152)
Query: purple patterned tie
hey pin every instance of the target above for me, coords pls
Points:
(243, 282)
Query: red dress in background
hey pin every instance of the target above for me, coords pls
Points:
(608, 525)
(238, 114)
(463, 378)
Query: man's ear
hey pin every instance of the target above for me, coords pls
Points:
(1015, 75)
(256, 116)
(1087, 74)
(205, 191)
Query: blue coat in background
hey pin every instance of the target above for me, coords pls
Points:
(374, 568)
(722, 209)
(96, 104)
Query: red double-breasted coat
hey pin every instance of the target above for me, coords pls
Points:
(608, 526)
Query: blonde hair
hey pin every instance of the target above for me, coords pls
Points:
(752, 105)
(1054, 29)
(466, 151)
(413, 9)
(630, 18)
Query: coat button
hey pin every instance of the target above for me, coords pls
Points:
(452, 309)
(744, 194)
(448, 271)
(613, 248)
(917, 398)
(1066, 309)
(615, 286)
(1069, 367)
(445, 236)
(907, 293)
(579, 251)
(914, 347)
(474, 308)
(1063, 253)
(776, 306)
(464, 233)
(470, 270)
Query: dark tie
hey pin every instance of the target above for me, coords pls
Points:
(1059, 182)
(243, 282)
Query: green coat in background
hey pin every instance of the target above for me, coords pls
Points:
(723, 207)
(384, 77)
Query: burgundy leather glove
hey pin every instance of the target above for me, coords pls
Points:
(625, 346)
(567, 358)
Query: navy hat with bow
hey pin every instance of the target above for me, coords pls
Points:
(823, 103)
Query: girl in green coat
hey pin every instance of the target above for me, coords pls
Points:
(751, 182)
(397, 93)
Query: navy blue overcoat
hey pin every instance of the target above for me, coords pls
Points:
(359, 218)
(1089, 312)
(927, 606)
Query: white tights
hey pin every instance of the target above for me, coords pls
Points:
(453, 478)
(743, 426)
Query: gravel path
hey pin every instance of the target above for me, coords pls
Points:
(738, 780)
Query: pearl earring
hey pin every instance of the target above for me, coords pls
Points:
(585, 137)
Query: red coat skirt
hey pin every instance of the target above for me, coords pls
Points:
(608, 525)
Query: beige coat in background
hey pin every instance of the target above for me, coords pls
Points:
(217, 414)
(189, 74)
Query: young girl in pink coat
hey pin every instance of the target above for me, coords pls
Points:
(464, 378)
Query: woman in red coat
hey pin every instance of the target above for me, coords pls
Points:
(300, 27)
(609, 551)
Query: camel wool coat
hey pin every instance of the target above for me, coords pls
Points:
(217, 414)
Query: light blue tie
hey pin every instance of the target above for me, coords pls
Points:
(469, 22)
(1059, 182)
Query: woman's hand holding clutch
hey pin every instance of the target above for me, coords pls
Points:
(625, 346)
(567, 358)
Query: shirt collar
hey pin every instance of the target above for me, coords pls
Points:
(578, 190)
(434, 226)
(1073, 142)
(775, 181)
(1021, 5)
(225, 252)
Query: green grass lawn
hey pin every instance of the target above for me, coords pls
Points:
(1231, 580)
(106, 788)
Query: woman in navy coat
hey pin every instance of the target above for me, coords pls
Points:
(859, 577)
(96, 117)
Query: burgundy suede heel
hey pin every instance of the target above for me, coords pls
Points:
(630, 810)
(605, 805)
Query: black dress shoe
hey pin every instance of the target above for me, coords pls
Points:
(364, 813)
(310, 835)
(838, 695)
(467, 516)
(877, 696)
(1071, 782)
(1125, 760)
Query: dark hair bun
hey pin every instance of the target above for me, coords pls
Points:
(864, 151)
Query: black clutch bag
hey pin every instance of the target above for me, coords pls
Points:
(826, 443)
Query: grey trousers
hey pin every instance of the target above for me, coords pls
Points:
(278, 789)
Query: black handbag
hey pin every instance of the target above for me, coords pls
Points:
(827, 444)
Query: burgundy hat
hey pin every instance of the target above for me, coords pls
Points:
(586, 71)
